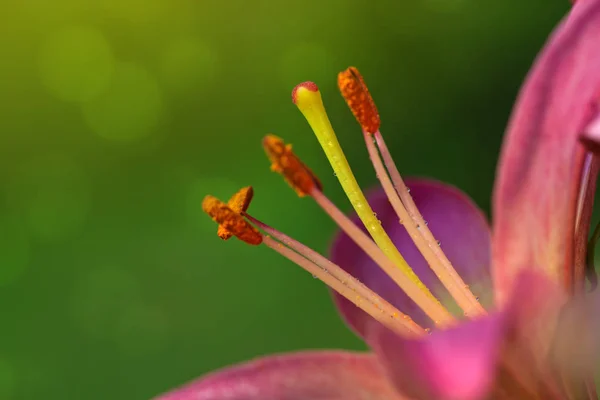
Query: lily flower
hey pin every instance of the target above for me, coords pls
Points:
(410, 267)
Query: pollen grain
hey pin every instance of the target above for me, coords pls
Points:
(285, 162)
(357, 96)
(239, 203)
(230, 220)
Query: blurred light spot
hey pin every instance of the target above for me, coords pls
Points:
(188, 63)
(130, 107)
(222, 188)
(99, 299)
(8, 380)
(444, 5)
(141, 330)
(14, 251)
(402, 18)
(53, 194)
(76, 63)
(37, 374)
(307, 61)
(138, 11)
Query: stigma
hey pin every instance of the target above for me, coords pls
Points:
(234, 220)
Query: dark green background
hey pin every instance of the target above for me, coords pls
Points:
(117, 117)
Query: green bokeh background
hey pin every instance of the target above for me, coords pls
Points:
(118, 116)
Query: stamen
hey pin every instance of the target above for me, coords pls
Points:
(231, 220)
(239, 203)
(284, 161)
(340, 281)
(332, 275)
(357, 96)
(469, 305)
(443, 268)
(434, 310)
(590, 258)
(396, 321)
(308, 99)
(359, 99)
(584, 266)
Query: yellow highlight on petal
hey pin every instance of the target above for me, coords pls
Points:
(308, 99)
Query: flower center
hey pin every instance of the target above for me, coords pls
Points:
(234, 219)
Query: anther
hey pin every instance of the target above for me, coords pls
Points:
(238, 203)
(285, 162)
(357, 96)
(232, 221)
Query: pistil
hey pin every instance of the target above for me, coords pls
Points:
(307, 98)
(299, 176)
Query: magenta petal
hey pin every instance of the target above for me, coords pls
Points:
(455, 364)
(460, 363)
(456, 222)
(327, 375)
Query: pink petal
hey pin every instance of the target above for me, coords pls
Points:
(537, 189)
(326, 375)
(453, 218)
(460, 363)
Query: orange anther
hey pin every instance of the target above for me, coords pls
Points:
(357, 96)
(239, 203)
(232, 221)
(284, 161)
